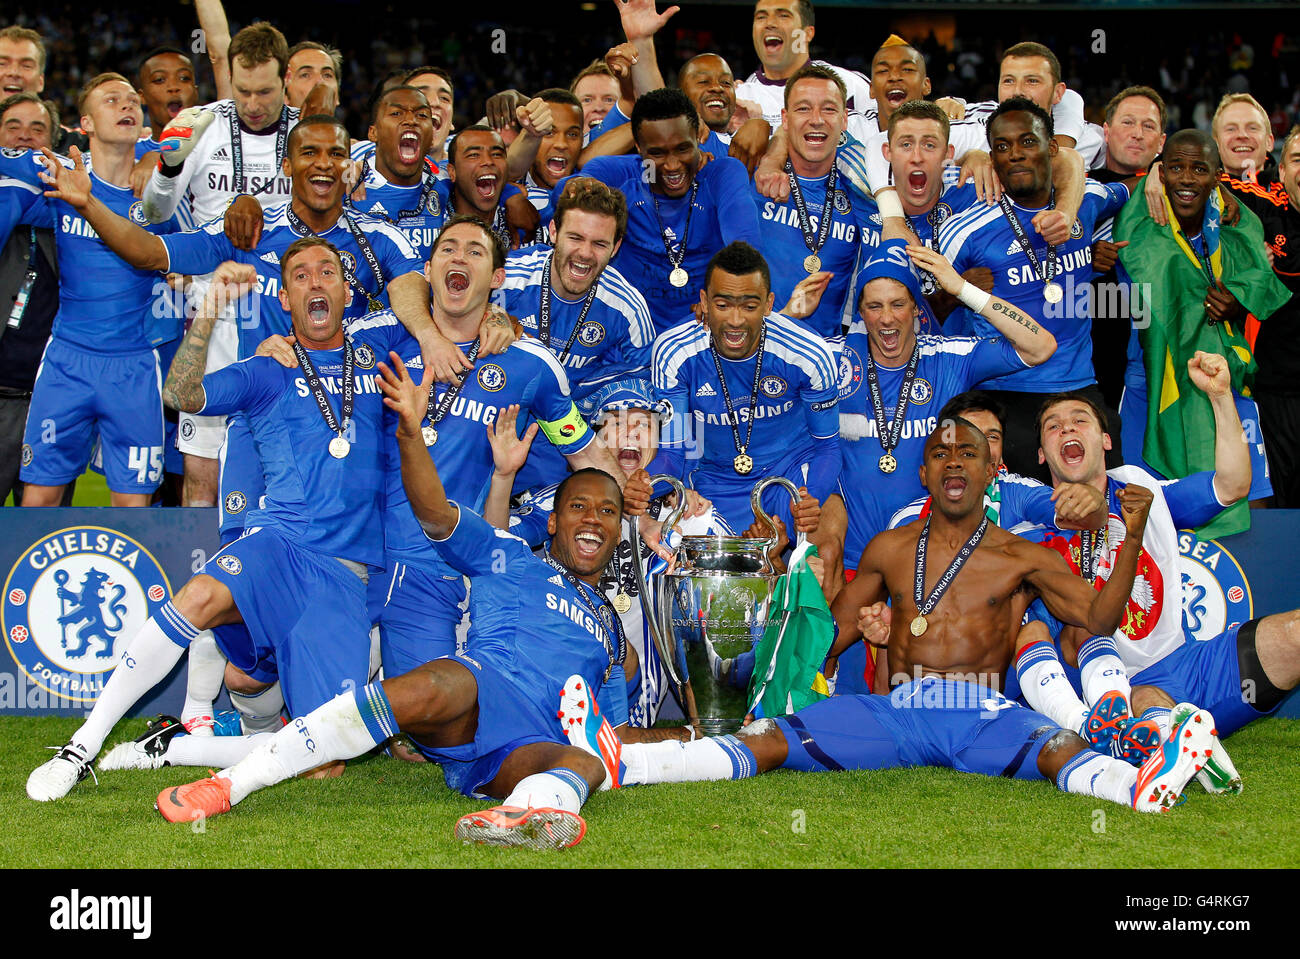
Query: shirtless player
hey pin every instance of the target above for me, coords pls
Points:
(948, 650)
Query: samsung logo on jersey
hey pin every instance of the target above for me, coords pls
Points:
(788, 216)
(575, 612)
(1074, 260)
(76, 226)
(742, 415)
(334, 384)
(268, 285)
(225, 183)
(474, 410)
(912, 429)
(420, 238)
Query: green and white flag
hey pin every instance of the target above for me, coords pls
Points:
(788, 659)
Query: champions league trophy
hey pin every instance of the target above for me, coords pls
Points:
(712, 607)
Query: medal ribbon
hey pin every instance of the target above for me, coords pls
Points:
(732, 420)
(237, 149)
(437, 409)
(499, 225)
(544, 311)
(302, 229)
(1088, 540)
(1048, 273)
(428, 184)
(954, 568)
(318, 392)
(801, 207)
(889, 436)
(663, 232)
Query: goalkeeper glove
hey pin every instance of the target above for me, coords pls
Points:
(182, 135)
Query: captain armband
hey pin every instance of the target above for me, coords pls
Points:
(566, 431)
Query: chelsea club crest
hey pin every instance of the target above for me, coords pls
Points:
(491, 377)
(73, 601)
(1216, 594)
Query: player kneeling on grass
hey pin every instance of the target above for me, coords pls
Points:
(488, 716)
(959, 587)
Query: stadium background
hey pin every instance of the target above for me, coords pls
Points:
(1192, 53)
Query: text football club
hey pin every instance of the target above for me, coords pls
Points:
(1216, 594)
(72, 601)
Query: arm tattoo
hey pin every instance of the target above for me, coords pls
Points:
(184, 387)
(1015, 315)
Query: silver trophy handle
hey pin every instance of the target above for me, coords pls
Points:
(756, 502)
(643, 585)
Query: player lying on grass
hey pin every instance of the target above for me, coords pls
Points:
(959, 587)
(488, 716)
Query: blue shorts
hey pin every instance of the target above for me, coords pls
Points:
(926, 722)
(508, 718)
(242, 483)
(78, 394)
(1133, 413)
(1208, 674)
(304, 615)
(421, 611)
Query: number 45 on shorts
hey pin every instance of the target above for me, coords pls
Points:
(147, 461)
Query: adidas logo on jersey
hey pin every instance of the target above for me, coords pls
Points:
(556, 580)
(706, 390)
(378, 210)
(1014, 247)
(221, 154)
(271, 257)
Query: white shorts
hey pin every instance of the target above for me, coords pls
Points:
(205, 435)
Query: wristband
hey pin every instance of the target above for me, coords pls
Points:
(889, 203)
(973, 297)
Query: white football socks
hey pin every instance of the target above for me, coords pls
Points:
(1101, 670)
(211, 751)
(333, 731)
(1046, 688)
(156, 648)
(1092, 774)
(723, 757)
(205, 670)
(559, 788)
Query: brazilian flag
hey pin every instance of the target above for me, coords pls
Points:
(788, 659)
(1174, 282)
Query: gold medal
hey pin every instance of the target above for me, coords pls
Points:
(743, 464)
(375, 305)
(887, 463)
(812, 263)
(1053, 293)
(622, 602)
(919, 625)
(430, 435)
(679, 277)
(339, 447)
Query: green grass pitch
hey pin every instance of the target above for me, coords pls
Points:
(92, 490)
(385, 813)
